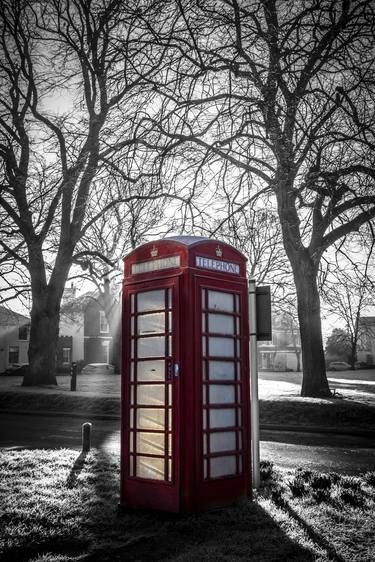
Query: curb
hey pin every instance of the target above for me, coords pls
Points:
(263, 426)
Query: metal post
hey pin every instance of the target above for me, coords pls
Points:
(86, 437)
(254, 400)
(73, 380)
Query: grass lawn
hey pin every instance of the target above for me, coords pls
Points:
(58, 507)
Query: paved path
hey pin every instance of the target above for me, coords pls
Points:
(323, 452)
(356, 385)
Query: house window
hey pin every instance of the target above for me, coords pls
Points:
(14, 354)
(66, 354)
(23, 332)
(104, 328)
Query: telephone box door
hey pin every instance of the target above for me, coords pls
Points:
(150, 426)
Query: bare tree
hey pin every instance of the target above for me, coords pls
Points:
(279, 98)
(349, 288)
(77, 82)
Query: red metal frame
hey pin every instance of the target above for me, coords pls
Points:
(189, 489)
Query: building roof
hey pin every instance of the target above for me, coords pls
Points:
(9, 317)
(367, 320)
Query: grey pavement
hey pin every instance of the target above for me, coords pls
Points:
(319, 451)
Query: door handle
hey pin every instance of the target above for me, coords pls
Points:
(176, 370)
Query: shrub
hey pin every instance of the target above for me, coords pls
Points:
(297, 487)
(370, 478)
(277, 497)
(265, 470)
(320, 482)
(335, 477)
(304, 473)
(321, 495)
(350, 497)
(350, 483)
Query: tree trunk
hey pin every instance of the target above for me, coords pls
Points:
(314, 381)
(45, 319)
(43, 344)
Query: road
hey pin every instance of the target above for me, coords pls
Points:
(324, 452)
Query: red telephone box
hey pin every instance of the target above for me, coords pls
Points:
(185, 441)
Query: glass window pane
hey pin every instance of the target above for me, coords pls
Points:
(170, 470)
(222, 466)
(223, 417)
(150, 394)
(151, 347)
(131, 417)
(218, 300)
(223, 441)
(221, 370)
(169, 321)
(150, 418)
(203, 322)
(221, 347)
(169, 298)
(131, 440)
(150, 443)
(132, 304)
(151, 323)
(203, 296)
(151, 370)
(204, 394)
(132, 371)
(132, 325)
(222, 394)
(204, 346)
(220, 324)
(151, 468)
(151, 300)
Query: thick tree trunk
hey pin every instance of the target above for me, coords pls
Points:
(314, 382)
(44, 335)
(45, 319)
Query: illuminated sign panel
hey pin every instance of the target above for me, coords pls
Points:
(217, 265)
(155, 265)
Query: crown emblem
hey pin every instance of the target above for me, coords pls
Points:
(154, 251)
(219, 252)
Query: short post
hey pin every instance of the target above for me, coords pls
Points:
(86, 437)
(254, 400)
(73, 380)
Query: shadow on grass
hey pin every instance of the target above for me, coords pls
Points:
(318, 539)
(243, 531)
(72, 547)
(76, 470)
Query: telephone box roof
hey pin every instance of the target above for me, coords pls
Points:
(190, 240)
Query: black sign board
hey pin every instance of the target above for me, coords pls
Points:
(263, 312)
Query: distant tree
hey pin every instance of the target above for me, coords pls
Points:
(349, 289)
(278, 97)
(77, 78)
(338, 345)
